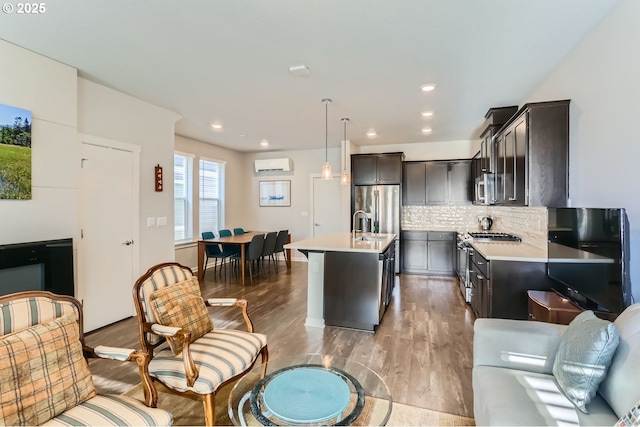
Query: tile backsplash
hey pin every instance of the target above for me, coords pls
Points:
(530, 224)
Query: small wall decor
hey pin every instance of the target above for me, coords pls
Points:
(275, 193)
(159, 184)
(15, 153)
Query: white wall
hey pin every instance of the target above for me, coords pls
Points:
(110, 114)
(305, 162)
(601, 78)
(48, 89)
(445, 150)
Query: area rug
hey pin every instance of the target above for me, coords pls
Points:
(189, 411)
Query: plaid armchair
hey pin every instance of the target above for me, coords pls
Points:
(44, 374)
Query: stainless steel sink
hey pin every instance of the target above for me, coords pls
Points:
(370, 239)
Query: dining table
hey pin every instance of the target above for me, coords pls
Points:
(241, 240)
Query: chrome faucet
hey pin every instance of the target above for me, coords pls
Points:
(353, 220)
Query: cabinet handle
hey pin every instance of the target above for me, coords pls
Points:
(479, 276)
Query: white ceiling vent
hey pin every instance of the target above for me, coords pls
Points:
(263, 165)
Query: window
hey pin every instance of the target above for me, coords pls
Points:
(182, 196)
(211, 180)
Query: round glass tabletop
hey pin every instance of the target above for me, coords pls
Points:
(310, 390)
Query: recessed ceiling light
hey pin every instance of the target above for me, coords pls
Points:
(426, 130)
(216, 126)
(427, 87)
(299, 70)
(371, 133)
(264, 143)
(427, 113)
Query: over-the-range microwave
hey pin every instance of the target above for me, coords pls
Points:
(485, 189)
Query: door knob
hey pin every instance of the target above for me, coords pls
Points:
(316, 224)
(128, 243)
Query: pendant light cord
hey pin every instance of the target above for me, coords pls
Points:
(326, 131)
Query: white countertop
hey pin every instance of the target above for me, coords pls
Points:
(510, 251)
(344, 242)
(563, 253)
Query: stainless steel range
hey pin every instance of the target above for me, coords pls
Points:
(488, 236)
(465, 252)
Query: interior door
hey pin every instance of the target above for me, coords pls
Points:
(106, 246)
(325, 214)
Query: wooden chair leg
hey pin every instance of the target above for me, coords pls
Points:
(209, 401)
(265, 360)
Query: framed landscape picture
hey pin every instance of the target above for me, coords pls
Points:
(15, 153)
(275, 193)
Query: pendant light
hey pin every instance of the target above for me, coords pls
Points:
(344, 178)
(326, 168)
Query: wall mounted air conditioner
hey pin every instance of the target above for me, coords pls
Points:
(283, 165)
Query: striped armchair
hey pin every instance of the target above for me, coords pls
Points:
(199, 359)
(44, 373)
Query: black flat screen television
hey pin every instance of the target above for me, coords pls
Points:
(589, 257)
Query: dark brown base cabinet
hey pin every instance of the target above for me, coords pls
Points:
(428, 252)
(499, 288)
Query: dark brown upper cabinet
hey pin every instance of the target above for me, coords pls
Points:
(531, 156)
(374, 169)
(436, 182)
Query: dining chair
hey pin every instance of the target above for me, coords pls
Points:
(268, 250)
(238, 230)
(232, 249)
(280, 241)
(212, 250)
(252, 253)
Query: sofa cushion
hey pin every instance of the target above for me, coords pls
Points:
(583, 357)
(620, 388)
(511, 397)
(112, 410)
(43, 372)
(181, 305)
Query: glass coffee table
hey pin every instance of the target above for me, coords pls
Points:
(311, 389)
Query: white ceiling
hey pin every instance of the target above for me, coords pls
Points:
(227, 61)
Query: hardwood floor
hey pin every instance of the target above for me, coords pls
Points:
(422, 349)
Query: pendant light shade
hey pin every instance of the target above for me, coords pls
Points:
(326, 168)
(344, 177)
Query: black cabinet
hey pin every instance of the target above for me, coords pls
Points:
(499, 288)
(436, 182)
(373, 169)
(531, 156)
(494, 119)
(428, 252)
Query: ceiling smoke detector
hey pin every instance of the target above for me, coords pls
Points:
(299, 70)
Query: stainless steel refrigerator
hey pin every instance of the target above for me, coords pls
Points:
(382, 206)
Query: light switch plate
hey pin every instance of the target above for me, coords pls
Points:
(151, 222)
(162, 220)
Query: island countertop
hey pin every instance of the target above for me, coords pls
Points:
(344, 242)
(510, 251)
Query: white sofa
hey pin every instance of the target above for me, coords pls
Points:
(513, 383)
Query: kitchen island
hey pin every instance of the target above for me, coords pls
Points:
(349, 279)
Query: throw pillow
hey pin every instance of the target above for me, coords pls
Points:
(631, 418)
(583, 357)
(43, 372)
(181, 305)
